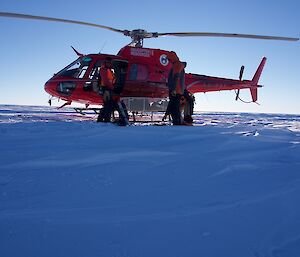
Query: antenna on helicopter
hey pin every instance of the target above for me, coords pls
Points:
(79, 54)
(104, 44)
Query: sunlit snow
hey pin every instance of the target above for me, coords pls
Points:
(227, 186)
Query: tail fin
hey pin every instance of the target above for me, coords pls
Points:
(255, 79)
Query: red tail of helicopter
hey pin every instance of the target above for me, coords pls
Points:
(255, 79)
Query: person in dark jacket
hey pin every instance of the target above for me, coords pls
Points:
(188, 107)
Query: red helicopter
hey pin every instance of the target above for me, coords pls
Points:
(141, 72)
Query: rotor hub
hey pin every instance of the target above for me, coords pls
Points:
(138, 35)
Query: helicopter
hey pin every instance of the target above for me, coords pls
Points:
(141, 73)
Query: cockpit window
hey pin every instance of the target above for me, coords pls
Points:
(77, 69)
(94, 74)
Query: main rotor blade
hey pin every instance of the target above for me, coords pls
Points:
(32, 17)
(211, 34)
(128, 33)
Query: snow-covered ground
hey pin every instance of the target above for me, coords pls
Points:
(228, 186)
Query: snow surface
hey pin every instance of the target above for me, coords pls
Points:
(228, 186)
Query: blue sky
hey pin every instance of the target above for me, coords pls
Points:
(32, 51)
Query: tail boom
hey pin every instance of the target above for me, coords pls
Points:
(201, 84)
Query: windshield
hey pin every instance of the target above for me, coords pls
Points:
(76, 69)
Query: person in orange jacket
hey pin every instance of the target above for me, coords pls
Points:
(107, 84)
(176, 85)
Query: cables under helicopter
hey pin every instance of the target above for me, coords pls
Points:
(246, 102)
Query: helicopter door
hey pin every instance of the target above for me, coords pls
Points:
(120, 69)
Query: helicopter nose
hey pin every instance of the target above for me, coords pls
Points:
(50, 88)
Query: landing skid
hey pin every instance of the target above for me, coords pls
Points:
(84, 111)
(134, 117)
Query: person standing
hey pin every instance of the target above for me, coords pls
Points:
(107, 84)
(188, 108)
(176, 86)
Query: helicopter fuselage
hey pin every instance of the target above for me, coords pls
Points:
(140, 72)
